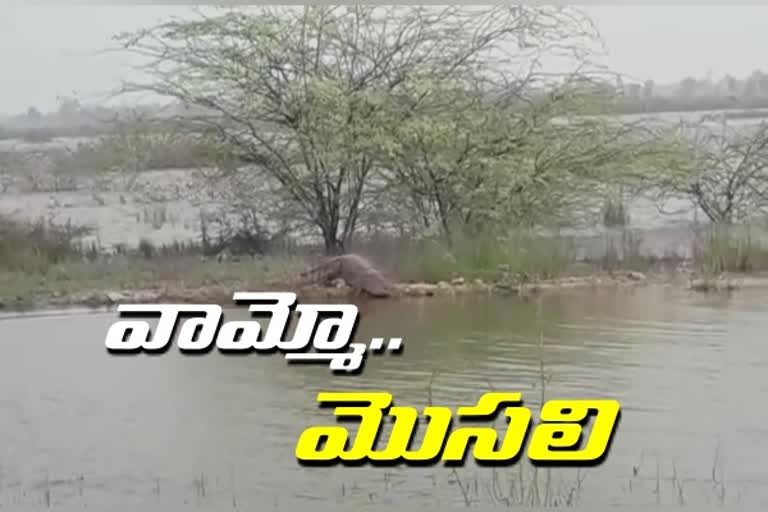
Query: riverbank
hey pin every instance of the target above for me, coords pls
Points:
(40, 267)
(94, 286)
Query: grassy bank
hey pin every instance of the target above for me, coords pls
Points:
(44, 264)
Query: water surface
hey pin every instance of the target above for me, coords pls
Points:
(84, 428)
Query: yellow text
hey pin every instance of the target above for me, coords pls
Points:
(556, 439)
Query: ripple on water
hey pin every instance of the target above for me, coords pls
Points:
(689, 372)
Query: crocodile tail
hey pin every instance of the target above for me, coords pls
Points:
(288, 279)
(314, 275)
(322, 272)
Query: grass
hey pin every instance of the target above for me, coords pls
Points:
(514, 487)
(731, 249)
(721, 250)
(521, 256)
(34, 267)
(73, 277)
(42, 259)
(39, 258)
(33, 247)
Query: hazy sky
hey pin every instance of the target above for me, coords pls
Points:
(50, 51)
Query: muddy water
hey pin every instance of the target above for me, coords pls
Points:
(82, 428)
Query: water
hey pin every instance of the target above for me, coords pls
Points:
(166, 205)
(83, 428)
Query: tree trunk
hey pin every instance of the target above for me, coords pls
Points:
(333, 246)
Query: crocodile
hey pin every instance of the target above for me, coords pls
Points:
(356, 271)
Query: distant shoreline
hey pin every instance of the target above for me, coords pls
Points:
(753, 109)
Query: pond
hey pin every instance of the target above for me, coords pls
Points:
(83, 428)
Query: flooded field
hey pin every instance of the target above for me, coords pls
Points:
(84, 429)
(165, 206)
(119, 217)
(126, 218)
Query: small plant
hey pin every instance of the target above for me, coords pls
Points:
(522, 254)
(35, 246)
(721, 248)
(615, 213)
(146, 248)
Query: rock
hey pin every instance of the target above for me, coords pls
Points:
(114, 297)
(635, 276)
(711, 285)
(146, 296)
(505, 288)
(458, 281)
(419, 290)
(479, 282)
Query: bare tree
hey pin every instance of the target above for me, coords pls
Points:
(492, 164)
(304, 95)
(727, 175)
